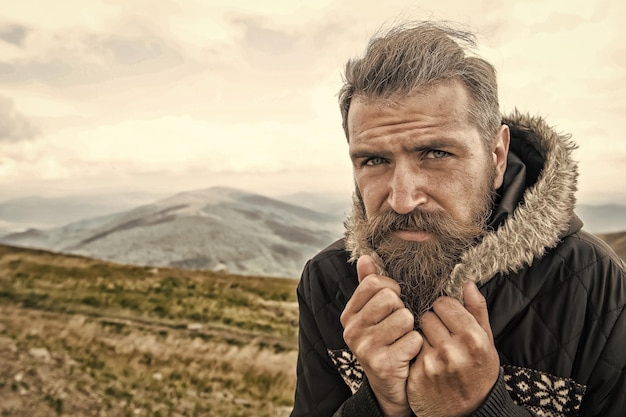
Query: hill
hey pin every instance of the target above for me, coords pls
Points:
(607, 218)
(339, 205)
(90, 338)
(617, 241)
(217, 228)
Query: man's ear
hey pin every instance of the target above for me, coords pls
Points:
(500, 150)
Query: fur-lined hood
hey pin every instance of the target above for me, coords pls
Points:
(543, 216)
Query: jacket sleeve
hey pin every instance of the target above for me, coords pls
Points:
(499, 404)
(320, 390)
(607, 393)
(602, 349)
(362, 404)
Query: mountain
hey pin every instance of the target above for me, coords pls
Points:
(605, 218)
(335, 204)
(19, 214)
(617, 241)
(217, 228)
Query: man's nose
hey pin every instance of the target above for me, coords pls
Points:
(406, 191)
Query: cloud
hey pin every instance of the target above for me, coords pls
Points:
(13, 34)
(175, 144)
(266, 40)
(79, 56)
(14, 127)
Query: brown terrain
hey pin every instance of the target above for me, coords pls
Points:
(617, 241)
(80, 337)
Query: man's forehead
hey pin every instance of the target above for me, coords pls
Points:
(443, 108)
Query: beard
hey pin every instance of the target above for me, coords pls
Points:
(421, 268)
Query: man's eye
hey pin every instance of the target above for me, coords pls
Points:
(374, 161)
(436, 154)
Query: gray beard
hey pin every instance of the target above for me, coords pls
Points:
(421, 268)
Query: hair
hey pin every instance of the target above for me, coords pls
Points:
(414, 57)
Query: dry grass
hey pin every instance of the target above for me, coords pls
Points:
(85, 338)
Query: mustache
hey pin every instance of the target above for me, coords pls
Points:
(438, 223)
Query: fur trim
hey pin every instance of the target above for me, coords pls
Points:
(537, 223)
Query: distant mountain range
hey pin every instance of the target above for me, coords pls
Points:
(607, 218)
(217, 228)
(19, 214)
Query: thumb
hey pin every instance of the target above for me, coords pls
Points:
(365, 266)
(476, 304)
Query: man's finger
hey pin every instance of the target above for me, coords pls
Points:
(433, 329)
(409, 345)
(379, 307)
(365, 266)
(372, 286)
(476, 304)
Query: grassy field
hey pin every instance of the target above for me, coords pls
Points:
(87, 338)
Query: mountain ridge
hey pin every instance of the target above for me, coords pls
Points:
(211, 228)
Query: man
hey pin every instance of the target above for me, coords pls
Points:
(464, 285)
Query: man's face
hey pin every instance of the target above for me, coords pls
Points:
(425, 182)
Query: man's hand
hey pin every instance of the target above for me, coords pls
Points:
(458, 364)
(378, 328)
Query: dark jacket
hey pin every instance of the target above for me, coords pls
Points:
(555, 295)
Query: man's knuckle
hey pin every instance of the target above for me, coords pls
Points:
(432, 365)
(406, 317)
(447, 352)
(412, 343)
(363, 349)
(347, 335)
(474, 342)
(388, 294)
(377, 362)
(415, 338)
(352, 333)
(344, 319)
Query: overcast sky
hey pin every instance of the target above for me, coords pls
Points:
(167, 96)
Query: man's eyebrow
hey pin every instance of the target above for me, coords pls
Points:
(362, 154)
(426, 145)
(437, 144)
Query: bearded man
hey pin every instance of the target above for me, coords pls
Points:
(464, 285)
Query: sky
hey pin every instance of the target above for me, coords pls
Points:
(163, 96)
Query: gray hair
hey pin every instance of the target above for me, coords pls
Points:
(416, 56)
